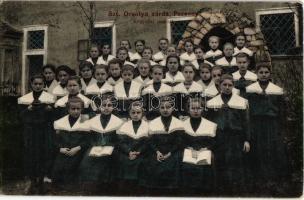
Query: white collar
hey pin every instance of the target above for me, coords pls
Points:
(83, 84)
(243, 50)
(104, 62)
(179, 77)
(223, 62)
(63, 101)
(129, 63)
(90, 60)
(59, 91)
(52, 86)
(141, 81)
(134, 91)
(212, 53)
(28, 99)
(211, 90)
(113, 124)
(235, 102)
(157, 127)
(206, 128)
(159, 56)
(271, 89)
(64, 124)
(248, 76)
(163, 90)
(186, 56)
(94, 89)
(112, 82)
(194, 88)
(135, 56)
(127, 129)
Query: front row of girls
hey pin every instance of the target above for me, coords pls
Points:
(163, 152)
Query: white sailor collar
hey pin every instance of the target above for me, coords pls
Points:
(163, 90)
(113, 125)
(127, 129)
(163, 63)
(112, 82)
(271, 89)
(51, 87)
(248, 76)
(104, 62)
(193, 62)
(64, 124)
(59, 91)
(243, 50)
(44, 97)
(235, 102)
(159, 56)
(206, 128)
(94, 89)
(142, 81)
(194, 88)
(134, 91)
(179, 77)
(212, 53)
(186, 56)
(211, 90)
(129, 63)
(90, 60)
(63, 101)
(157, 127)
(83, 84)
(223, 62)
(135, 56)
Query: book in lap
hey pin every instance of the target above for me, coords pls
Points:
(98, 151)
(202, 157)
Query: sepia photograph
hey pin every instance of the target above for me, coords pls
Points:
(151, 98)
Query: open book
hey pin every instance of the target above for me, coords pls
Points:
(202, 157)
(98, 151)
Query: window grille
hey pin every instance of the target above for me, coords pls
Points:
(35, 39)
(177, 30)
(103, 35)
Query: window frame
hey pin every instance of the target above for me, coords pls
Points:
(174, 19)
(281, 10)
(106, 24)
(27, 52)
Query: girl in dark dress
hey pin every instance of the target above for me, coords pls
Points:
(199, 138)
(230, 112)
(161, 168)
(173, 76)
(49, 73)
(63, 73)
(35, 112)
(71, 142)
(86, 70)
(227, 62)
(267, 119)
(132, 147)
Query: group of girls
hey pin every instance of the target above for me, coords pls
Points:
(131, 121)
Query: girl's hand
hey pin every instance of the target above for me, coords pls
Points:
(48, 108)
(246, 148)
(167, 155)
(74, 150)
(159, 156)
(64, 151)
(30, 107)
(132, 155)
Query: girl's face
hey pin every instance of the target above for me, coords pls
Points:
(147, 54)
(189, 47)
(86, 73)
(73, 87)
(213, 43)
(171, 51)
(136, 113)
(228, 50)
(199, 53)
(263, 74)
(127, 75)
(115, 70)
(63, 77)
(75, 109)
(144, 69)
(216, 76)
(101, 75)
(157, 75)
(94, 52)
(240, 41)
(242, 63)
(139, 47)
(106, 50)
(163, 45)
(205, 74)
(173, 65)
(227, 86)
(48, 74)
(188, 73)
(122, 55)
(195, 109)
(125, 44)
(166, 109)
(106, 107)
(37, 84)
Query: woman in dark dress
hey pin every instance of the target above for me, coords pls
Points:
(230, 112)
(35, 110)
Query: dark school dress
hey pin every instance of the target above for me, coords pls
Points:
(99, 168)
(38, 133)
(125, 94)
(199, 133)
(230, 113)
(241, 82)
(228, 65)
(70, 133)
(132, 136)
(266, 108)
(165, 135)
(151, 98)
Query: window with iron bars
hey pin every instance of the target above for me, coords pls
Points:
(177, 30)
(35, 40)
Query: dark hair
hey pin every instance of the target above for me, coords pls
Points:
(142, 41)
(75, 78)
(125, 49)
(37, 76)
(193, 100)
(102, 66)
(106, 43)
(216, 67)
(198, 47)
(189, 64)
(162, 38)
(225, 77)
(178, 60)
(242, 55)
(168, 98)
(128, 43)
(141, 61)
(150, 48)
(84, 64)
(240, 34)
(188, 40)
(127, 68)
(136, 103)
(65, 68)
(205, 66)
(115, 61)
(263, 65)
(49, 66)
(74, 99)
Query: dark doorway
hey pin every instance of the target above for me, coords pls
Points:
(222, 33)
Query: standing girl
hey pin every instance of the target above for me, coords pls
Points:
(115, 66)
(143, 67)
(86, 70)
(147, 54)
(173, 76)
(123, 56)
(49, 73)
(188, 55)
(94, 55)
(63, 73)
(162, 47)
(170, 51)
(105, 54)
(228, 62)
(205, 75)
(139, 48)
(126, 44)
